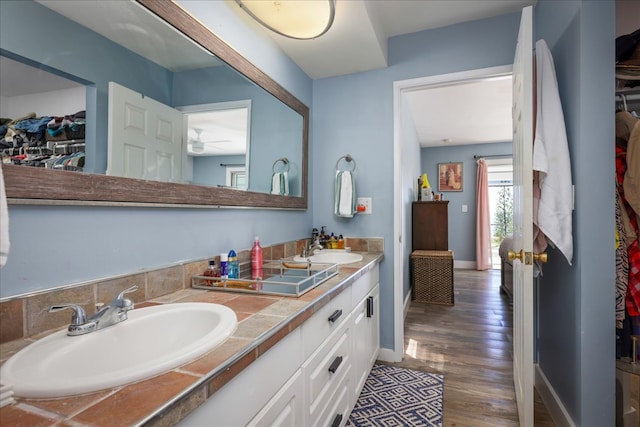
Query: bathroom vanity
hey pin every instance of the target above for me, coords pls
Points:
(314, 375)
(291, 361)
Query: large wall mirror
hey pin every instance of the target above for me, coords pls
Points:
(156, 109)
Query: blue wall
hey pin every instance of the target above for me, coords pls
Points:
(462, 225)
(54, 246)
(577, 314)
(354, 114)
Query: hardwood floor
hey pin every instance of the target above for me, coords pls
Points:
(469, 343)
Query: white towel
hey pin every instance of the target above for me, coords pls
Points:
(551, 157)
(4, 223)
(280, 183)
(345, 195)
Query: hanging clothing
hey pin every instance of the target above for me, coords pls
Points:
(551, 158)
(625, 125)
(623, 241)
(631, 181)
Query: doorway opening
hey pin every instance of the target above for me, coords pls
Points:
(500, 177)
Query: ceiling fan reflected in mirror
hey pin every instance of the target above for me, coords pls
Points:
(197, 146)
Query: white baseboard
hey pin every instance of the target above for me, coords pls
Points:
(554, 405)
(464, 265)
(387, 354)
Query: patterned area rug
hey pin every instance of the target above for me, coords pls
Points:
(399, 397)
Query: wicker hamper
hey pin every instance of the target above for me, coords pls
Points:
(432, 277)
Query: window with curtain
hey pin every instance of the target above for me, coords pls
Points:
(500, 177)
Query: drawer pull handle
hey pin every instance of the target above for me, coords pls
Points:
(337, 420)
(370, 307)
(335, 316)
(335, 364)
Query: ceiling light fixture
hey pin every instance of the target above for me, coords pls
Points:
(296, 19)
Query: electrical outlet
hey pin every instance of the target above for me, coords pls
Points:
(364, 205)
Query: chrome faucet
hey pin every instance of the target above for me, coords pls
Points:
(314, 245)
(114, 312)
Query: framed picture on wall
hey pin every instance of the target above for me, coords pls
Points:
(450, 176)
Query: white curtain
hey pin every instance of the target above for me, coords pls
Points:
(483, 219)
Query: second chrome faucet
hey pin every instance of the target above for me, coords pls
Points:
(107, 315)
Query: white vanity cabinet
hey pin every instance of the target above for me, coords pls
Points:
(313, 376)
(256, 387)
(366, 337)
(285, 408)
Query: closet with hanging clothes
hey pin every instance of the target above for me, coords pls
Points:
(627, 147)
(627, 210)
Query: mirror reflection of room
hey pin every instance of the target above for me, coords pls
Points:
(175, 73)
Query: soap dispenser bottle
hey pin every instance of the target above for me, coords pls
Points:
(340, 242)
(333, 242)
(323, 237)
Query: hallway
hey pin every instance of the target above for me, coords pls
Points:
(470, 343)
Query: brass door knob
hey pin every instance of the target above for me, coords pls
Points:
(511, 255)
(542, 257)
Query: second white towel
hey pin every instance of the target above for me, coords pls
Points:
(345, 194)
(280, 183)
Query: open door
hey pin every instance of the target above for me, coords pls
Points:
(145, 137)
(523, 219)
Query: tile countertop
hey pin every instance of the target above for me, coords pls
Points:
(164, 400)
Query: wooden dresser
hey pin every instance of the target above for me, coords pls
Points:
(430, 226)
(431, 260)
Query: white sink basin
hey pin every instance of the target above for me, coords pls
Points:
(153, 340)
(332, 256)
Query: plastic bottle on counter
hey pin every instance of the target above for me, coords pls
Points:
(340, 244)
(234, 268)
(333, 242)
(212, 271)
(256, 260)
(427, 194)
(224, 266)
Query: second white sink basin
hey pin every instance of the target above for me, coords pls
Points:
(151, 341)
(331, 256)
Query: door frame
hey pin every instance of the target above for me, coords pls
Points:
(402, 209)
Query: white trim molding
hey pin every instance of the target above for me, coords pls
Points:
(558, 412)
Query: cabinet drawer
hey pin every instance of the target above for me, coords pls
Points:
(326, 369)
(325, 321)
(338, 408)
(363, 285)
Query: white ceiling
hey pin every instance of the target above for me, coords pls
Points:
(469, 113)
(357, 40)
(477, 112)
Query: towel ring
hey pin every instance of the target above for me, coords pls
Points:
(348, 159)
(284, 161)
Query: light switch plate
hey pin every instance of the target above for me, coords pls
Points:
(465, 208)
(365, 202)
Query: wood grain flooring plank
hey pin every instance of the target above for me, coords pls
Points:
(470, 343)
